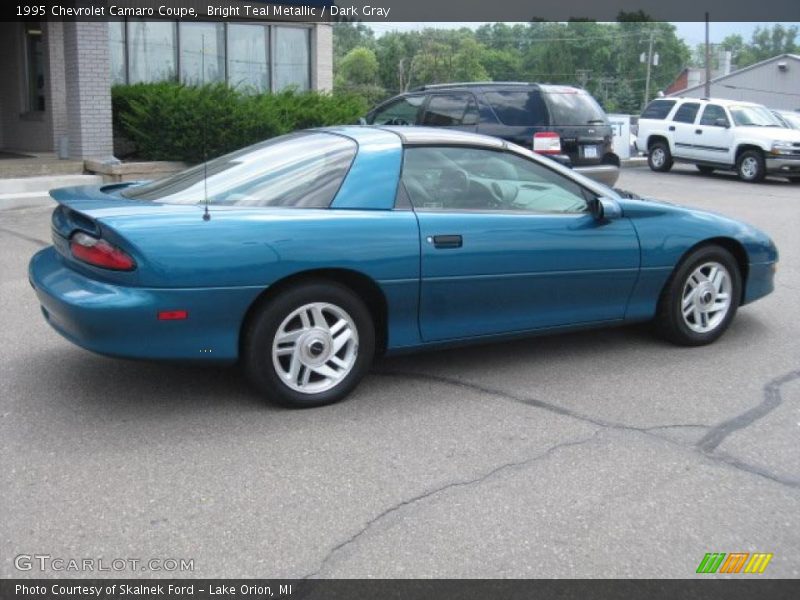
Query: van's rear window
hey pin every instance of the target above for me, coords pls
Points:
(514, 107)
(574, 107)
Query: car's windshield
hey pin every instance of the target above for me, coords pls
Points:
(793, 119)
(753, 116)
(300, 170)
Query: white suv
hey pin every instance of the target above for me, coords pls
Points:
(719, 134)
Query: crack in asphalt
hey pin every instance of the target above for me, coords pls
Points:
(560, 410)
(443, 488)
(772, 400)
(27, 238)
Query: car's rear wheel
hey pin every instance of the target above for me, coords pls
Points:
(310, 345)
(750, 166)
(700, 298)
(705, 170)
(659, 158)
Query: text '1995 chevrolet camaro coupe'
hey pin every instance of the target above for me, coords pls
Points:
(305, 255)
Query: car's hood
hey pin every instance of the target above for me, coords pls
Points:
(778, 134)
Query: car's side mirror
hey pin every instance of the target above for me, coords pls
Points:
(722, 123)
(604, 209)
(362, 121)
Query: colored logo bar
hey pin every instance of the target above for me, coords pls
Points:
(735, 562)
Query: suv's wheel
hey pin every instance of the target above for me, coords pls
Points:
(705, 170)
(700, 298)
(310, 345)
(750, 166)
(659, 158)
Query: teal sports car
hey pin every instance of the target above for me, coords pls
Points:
(304, 256)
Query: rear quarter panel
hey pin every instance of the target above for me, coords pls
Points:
(258, 247)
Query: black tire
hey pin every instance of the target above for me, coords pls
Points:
(794, 179)
(260, 333)
(670, 322)
(750, 166)
(705, 170)
(659, 158)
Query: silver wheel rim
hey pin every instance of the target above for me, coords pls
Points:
(749, 167)
(706, 297)
(315, 348)
(658, 157)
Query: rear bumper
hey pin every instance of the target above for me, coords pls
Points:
(606, 174)
(122, 321)
(783, 166)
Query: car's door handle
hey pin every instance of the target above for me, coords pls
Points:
(446, 241)
(698, 131)
(672, 127)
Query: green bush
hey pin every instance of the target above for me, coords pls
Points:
(170, 121)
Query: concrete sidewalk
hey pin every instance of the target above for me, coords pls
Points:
(22, 192)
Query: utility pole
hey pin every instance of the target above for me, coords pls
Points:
(649, 64)
(583, 76)
(708, 63)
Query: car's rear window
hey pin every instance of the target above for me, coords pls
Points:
(518, 107)
(658, 109)
(303, 170)
(574, 107)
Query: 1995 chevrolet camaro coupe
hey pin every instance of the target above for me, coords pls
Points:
(304, 256)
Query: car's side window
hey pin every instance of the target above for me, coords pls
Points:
(464, 178)
(686, 113)
(714, 114)
(400, 112)
(658, 109)
(447, 110)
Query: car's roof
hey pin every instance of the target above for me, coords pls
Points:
(413, 135)
(545, 87)
(721, 101)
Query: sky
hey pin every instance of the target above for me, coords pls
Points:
(692, 33)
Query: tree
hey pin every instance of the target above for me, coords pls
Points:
(358, 67)
(347, 36)
(767, 43)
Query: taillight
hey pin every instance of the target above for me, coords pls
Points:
(99, 253)
(547, 142)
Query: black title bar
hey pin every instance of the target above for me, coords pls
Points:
(387, 11)
(390, 589)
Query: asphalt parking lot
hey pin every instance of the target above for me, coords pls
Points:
(600, 454)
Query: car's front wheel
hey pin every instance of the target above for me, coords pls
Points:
(700, 298)
(750, 166)
(310, 345)
(659, 158)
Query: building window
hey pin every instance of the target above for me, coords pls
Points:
(116, 42)
(202, 52)
(292, 58)
(248, 56)
(35, 59)
(151, 51)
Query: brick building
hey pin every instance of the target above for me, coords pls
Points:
(56, 77)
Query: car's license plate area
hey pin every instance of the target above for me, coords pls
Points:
(589, 151)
